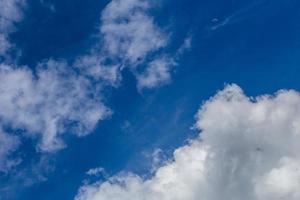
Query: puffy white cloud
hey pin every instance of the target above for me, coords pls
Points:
(248, 149)
(131, 38)
(280, 183)
(54, 99)
(51, 102)
(129, 32)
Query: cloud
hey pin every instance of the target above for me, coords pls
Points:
(129, 32)
(8, 144)
(60, 97)
(93, 66)
(186, 46)
(10, 13)
(46, 105)
(238, 16)
(248, 149)
(95, 171)
(130, 39)
(158, 72)
(133, 40)
(30, 172)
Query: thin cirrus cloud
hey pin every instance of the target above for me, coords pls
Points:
(61, 97)
(248, 149)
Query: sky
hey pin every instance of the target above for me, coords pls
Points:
(149, 100)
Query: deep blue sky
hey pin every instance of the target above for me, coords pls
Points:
(258, 48)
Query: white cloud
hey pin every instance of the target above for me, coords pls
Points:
(280, 183)
(47, 103)
(131, 38)
(8, 144)
(95, 171)
(50, 103)
(31, 172)
(129, 32)
(186, 46)
(93, 65)
(158, 72)
(4, 44)
(248, 149)
(56, 98)
(10, 13)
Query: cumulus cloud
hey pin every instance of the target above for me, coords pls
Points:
(129, 32)
(248, 149)
(130, 39)
(58, 97)
(49, 103)
(133, 39)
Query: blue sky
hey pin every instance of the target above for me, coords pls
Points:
(152, 97)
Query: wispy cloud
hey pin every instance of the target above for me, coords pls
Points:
(237, 16)
(95, 171)
(33, 172)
